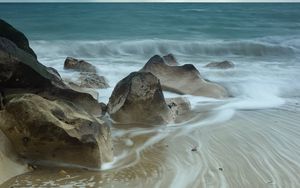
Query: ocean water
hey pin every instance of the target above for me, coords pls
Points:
(262, 40)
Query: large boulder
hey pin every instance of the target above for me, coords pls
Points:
(79, 65)
(17, 37)
(20, 72)
(220, 65)
(56, 131)
(138, 98)
(185, 79)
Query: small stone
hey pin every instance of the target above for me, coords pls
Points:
(194, 149)
(221, 169)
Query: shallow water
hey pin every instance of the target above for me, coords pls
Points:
(248, 140)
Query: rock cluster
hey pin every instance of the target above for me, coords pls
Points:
(44, 119)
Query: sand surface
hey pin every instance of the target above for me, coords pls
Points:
(255, 148)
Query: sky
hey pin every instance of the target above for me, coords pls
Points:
(149, 1)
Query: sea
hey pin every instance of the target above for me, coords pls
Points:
(261, 39)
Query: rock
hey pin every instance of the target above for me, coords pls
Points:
(138, 98)
(79, 65)
(76, 87)
(9, 32)
(170, 59)
(20, 72)
(92, 80)
(184, 79)
(181, 108)
(220, 65)
(56, 131)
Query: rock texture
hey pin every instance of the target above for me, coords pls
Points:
(138, 98)
(79, 65)
(185, 79)
(55, 131)
(43, 118)
(180, 107)
(170, 59)
(92, 80)
(220, 65)
(9, 32)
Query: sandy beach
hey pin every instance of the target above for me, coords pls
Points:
(256, 148)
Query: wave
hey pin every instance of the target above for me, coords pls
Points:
(150, 47)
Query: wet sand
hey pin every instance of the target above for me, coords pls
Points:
(255, 148)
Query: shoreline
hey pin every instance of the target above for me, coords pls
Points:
(256, 148)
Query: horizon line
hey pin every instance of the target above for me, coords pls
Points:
(151, 1)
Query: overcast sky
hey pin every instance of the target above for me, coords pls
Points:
(149, 0)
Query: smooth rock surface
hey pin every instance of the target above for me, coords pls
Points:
(185, 79)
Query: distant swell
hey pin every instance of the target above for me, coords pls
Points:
(149, 47)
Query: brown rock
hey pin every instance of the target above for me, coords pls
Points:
(184, 79)
(138, 98)
(79, 65)
(55, 131)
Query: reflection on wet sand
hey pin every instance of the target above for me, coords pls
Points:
(253, 149)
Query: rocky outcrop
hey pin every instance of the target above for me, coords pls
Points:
(185, 79)
(20, 72)
(138, 98)
(170, 59)
(43, 118)
(56, 131)
(79, 65)
(9, 32)
(220, 65)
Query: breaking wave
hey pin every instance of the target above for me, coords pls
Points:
(149, 47)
